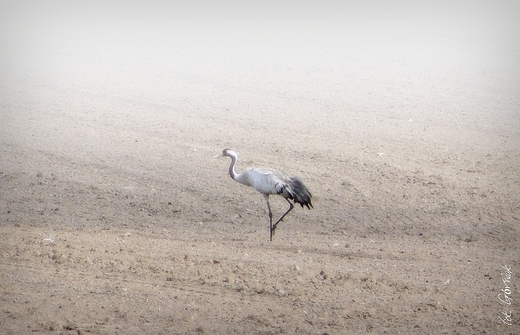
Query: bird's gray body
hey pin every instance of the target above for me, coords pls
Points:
(267, 182)
(263, 180)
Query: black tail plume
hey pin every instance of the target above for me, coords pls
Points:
(300, 194)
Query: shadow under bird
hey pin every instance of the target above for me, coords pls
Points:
(267, 182)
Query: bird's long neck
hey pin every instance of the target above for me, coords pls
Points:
(242, 177)
(232, 171)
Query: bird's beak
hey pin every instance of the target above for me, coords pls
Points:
(217, 156)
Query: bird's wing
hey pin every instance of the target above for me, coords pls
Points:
(269, 181)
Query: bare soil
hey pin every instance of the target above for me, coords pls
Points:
(116, 219)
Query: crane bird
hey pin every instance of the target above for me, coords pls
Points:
(267, 182)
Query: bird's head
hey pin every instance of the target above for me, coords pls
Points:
(227, 152)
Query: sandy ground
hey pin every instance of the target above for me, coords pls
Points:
(116, 219)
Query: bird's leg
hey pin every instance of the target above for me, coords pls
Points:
(266, 196)
(291, 206)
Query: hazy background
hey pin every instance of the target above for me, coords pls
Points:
(320, 51)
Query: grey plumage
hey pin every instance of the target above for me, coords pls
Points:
(267, 182)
